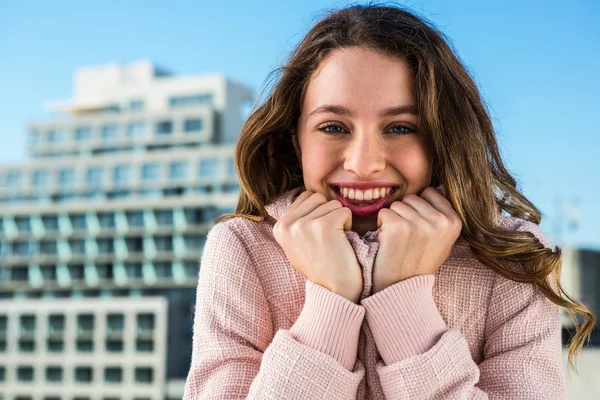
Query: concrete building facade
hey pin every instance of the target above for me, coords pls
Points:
(102, 230)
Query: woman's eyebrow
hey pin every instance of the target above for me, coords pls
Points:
(341, 110)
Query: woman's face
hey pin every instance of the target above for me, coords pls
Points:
(358, 124)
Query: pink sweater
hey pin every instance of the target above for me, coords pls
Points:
(263, 331)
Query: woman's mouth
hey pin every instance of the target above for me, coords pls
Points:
(363, 208)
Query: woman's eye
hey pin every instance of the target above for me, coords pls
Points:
(402, 129)
(333, 129)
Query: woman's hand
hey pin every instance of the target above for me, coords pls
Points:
(311, 233)
(417, 235)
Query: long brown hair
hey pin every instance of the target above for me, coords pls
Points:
(454, 120)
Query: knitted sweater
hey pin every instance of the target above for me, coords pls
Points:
(263, 331)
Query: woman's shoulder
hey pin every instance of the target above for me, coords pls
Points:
(512, 223)
(244, 228)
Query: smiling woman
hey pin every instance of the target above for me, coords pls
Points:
(359, 126)
(379, 248)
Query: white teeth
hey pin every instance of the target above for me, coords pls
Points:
(370, 194)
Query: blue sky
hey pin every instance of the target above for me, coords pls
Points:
(536, 65)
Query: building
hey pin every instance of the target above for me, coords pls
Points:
(101, 233)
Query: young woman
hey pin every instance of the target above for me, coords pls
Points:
(379, 249)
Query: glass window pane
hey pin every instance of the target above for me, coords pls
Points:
(40, 178)
(164, 127)
(136, 105)
(150, 172)
(122, 174)
(192, 125)
(136, 129)
(13, 179)
(208, 167)
(94, 176)
(66, 177)
(178, 170)
(83, 133)
(110, 132)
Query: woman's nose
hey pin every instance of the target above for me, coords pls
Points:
(365, 156)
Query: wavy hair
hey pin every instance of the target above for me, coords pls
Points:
(457, 128)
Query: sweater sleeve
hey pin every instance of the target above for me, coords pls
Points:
(235, 354)
(423, 358)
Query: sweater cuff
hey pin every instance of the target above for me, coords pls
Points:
(404, 319)
(329, 323)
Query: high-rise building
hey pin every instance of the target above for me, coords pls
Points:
(102, 229)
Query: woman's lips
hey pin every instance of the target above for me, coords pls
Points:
(373, 206)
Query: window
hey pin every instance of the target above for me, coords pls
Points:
(162, 269)
(143, 375)
(3, 323)
(78, 221)
(105, 245)
(164, 217)
(190, 100)
(144, 346)
(105, 271)
(134, 244)
(50, 222)
(208, 167)
(94, 176)
(192, 125)
(25, 249)
(135, 218)
(40, 178)
(191, 269)
(164, 243)
(48, 273)
(13, 179)
(193, 216)
(57, 135)
(27, 323)
(113, 374)
(55, 345)
(2, 374)
(178, 170)
(19, 274)
(164, 127)
(106, 220)
(83, 133)
(56, 324)
(145, 322)
(54, 374)
(194, 242)
(83, 374)
(76, 272)
(26, 346)
(85, 346)
(122, 174)
(114, 346)
(110, 132)
(23, 224)
(150, 172)
(66, 177)
(136, 105)
(77, 246)
(115, 322)
(136, 129)
(85, 323)
(133, 270)
(48, 247)
(25, 374)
